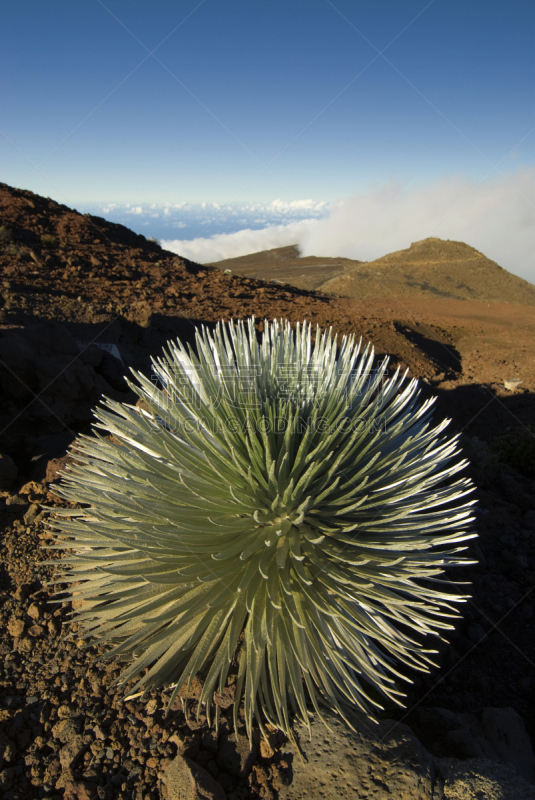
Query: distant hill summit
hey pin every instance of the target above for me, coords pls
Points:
(433, 268)
(286, 265)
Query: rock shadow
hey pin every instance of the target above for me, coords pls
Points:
(443, 354)
(483, 410)
(53, 374)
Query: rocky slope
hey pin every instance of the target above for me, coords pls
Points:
(80, 309)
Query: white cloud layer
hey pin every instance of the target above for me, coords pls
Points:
(497, 217)
(230, 245)
(201, 220)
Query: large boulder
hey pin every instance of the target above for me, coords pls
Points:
(387, 762)
(377, 761)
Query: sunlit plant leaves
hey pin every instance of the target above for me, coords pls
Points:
(286, 489)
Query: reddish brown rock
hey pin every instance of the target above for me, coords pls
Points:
(185, 780)
(236, 755)
(79, 790)
(74, 749)
(54, 468)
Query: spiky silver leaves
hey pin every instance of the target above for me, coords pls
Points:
(276, 489)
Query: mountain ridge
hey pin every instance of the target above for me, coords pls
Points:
(432, 267)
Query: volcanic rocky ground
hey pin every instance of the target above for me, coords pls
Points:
(83, 300)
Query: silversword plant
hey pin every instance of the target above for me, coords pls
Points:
(283, 497)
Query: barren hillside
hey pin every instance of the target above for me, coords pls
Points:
(433, 268)
(284, 264)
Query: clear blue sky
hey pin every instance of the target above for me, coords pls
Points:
(254, 100)
(239, 80)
